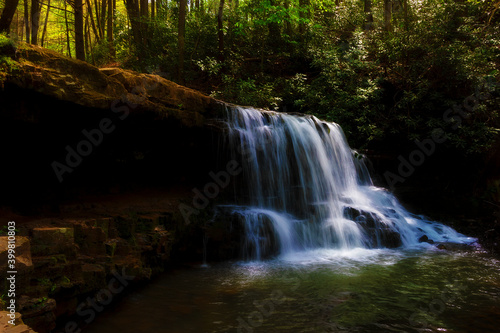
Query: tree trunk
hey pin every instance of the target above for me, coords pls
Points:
(45, 23)
(387, 15)
(181, 39)
(8, 14)
(90, 12)
(133, 15)
(303, 17)
(97, 23)
(67, 30)
(111, 13)
(87, 34)
(27, 20)
(102, 23)
(79, 36)
(288, 24)
(274, 30)
(220, 30)
(35, 21)
(144, 9)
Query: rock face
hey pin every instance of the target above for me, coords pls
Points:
(66, 266)
(70, 130)
(67, 126)
(74, 81)
(19, 326)
(380, 233)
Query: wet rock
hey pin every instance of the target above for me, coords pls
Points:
(94, 277)
(24, 263)
(118, 247)
(456, 246)
(425, 239)
(90, 239)
(367, 219)
(422, 239)
(49, 241)
(38, 313)
(379, 232)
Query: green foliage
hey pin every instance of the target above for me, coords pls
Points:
(326, 58)
(4, 41)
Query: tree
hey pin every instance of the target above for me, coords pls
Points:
(27, 21)
(7, 15)
(35, 21)
(111, 10)
(79, 36)
(133, 12)
(220, 30)
(387, 15)
(303, 20)
(45, 23)
(369, 15)
(181, 39)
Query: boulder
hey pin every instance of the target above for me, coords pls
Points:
(91, 240)
(38, 313)
(24, 263)
(380, 233)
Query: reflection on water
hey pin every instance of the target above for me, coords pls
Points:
(420, 290)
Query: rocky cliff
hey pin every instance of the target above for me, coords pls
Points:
(96, 163)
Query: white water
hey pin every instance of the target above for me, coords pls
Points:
(304, 190)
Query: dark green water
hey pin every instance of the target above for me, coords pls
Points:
(425, 290)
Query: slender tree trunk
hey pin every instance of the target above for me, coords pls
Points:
(35, 21)
(111, 14)
(20, 26)
(153, 13)
(406, 17)
(79, 35)
(144, 9)
(102, 24)
(220, 30)
(274, 30)
(288, 24)
(133, 15)
(97, 21)
(387, 15)
(8, 14)
(181, 39)
(87, 34)
(67, 29)
(27, 21)
(45, 23)
(92, 21)
(303, 17)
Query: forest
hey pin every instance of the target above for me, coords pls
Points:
(384, 70)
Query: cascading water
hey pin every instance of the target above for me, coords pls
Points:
(303, 189)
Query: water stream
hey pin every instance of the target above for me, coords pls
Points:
(306, 189)
(324, 251)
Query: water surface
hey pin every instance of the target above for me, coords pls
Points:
(359, 290)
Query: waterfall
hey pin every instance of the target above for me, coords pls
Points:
(303, 188)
